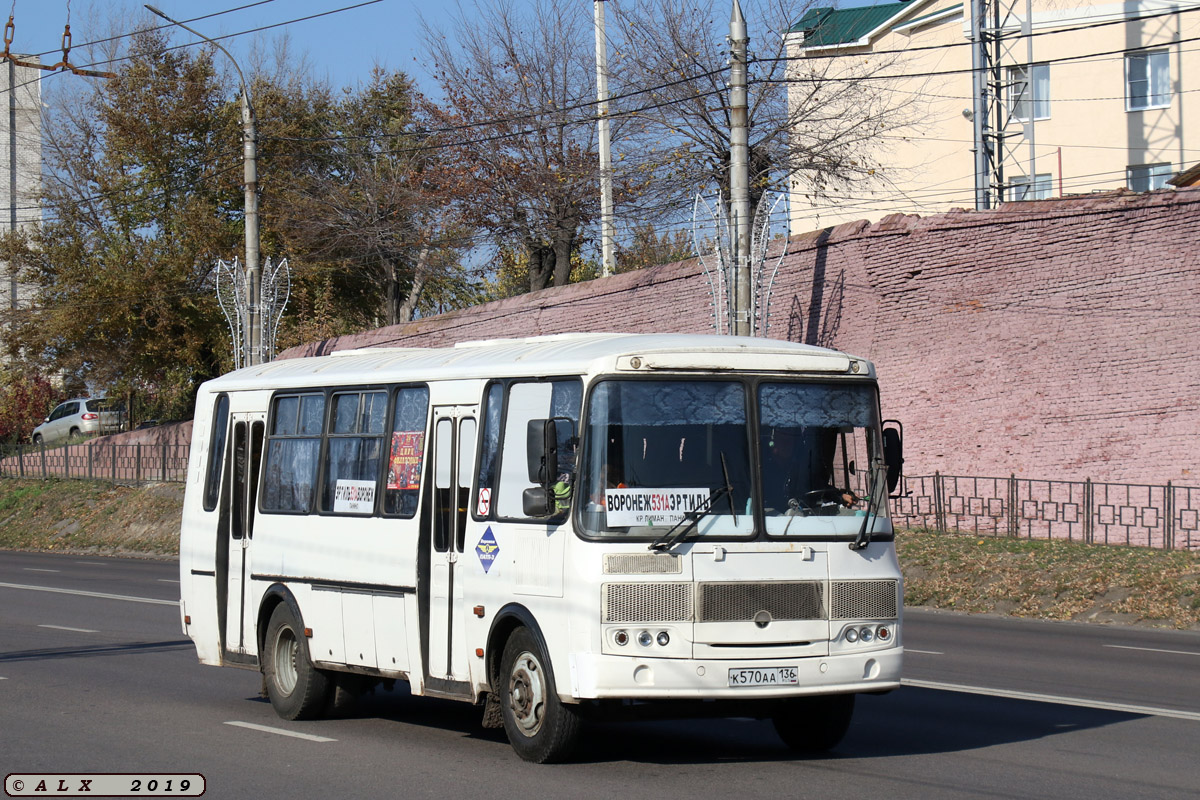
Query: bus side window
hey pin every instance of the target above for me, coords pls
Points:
(355, 450)
(216, 452)
(406, 452)
(527, 401)
(292, 449)
(489, 447)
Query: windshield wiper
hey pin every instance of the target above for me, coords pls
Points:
(691, 519)
(864, 537)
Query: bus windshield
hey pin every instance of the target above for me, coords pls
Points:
(655, 450)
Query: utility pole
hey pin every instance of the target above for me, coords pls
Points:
(253, 342)
(608, 262)
(980, 106)
(999, 92)
(739, 172)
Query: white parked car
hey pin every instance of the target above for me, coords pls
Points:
(75, 419)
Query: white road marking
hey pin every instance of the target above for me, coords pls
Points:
(1153, 650)
(1101, 705)
(168, 580)
(93, 563)
(924, 652)
(310, 737)
(101, 595)
(64, 628)
(35, 569)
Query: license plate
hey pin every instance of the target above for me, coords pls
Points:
(769, 676)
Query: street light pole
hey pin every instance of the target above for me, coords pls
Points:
(253, 343)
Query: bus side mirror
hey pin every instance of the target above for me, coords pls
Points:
(893, 453)
(541, 448)
(537, 502)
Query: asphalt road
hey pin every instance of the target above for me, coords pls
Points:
(95, 676)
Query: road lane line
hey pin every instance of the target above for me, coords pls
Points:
(310, 737)
(1153, 650)
(924, 652)
(35, 569)
(101, 595)
(93, 563)
(1101, 705)
(64, 628)
(168, 580)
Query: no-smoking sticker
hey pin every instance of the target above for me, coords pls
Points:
(485, 502)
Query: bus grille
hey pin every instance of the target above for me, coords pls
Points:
(865, 600)
(737, 602)
(647, 602)
(642, 564)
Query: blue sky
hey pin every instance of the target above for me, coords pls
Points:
(342, 47)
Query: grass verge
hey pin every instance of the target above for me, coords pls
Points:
(1051, 579)
(90, 517)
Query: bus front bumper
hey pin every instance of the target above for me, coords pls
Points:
(599, 677)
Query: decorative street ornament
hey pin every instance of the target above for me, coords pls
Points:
(232, 296)
(713, 245)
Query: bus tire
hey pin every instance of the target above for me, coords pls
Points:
(297, 689)
(814, 724)
(539, 726)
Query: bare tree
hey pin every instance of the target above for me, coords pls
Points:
(514, 84)
(670, 65)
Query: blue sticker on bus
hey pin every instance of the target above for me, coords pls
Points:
(487, 549)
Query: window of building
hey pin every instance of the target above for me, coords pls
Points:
(1041, 189)
(1029, 91)
(1147, 177)
(1147, 80)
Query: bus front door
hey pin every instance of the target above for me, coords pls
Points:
(454, 429)
(244, 455)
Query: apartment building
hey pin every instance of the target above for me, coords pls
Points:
(20, 166)
(1097, 96)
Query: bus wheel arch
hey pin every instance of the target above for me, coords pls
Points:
(511, 617)
(277, 593)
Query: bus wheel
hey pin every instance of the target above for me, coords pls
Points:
(814, 724)
(297, 689)
(540, 728)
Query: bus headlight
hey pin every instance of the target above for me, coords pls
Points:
(851, 635)
(645, 639)
(866, 634)
(664, 638)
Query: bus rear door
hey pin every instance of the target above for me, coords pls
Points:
(454, 434)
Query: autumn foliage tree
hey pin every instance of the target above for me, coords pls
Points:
(141, 197)
(25, 399)
(375, 202)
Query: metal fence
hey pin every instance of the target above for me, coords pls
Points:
(118, 463)
(1165, 516)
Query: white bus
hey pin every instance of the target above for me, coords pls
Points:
(552, 528)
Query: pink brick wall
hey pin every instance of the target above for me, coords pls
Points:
(1051, 339)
